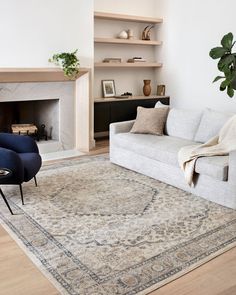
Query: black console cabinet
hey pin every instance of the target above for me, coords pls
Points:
(106, 112)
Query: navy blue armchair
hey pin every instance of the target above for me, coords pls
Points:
(20, 155)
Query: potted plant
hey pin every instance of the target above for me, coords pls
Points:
(226, 64)
(68, 62)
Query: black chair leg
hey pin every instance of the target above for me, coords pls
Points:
(5, 200)
(35, 181)
(21, 194)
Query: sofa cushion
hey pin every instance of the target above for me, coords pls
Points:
(210, 125)
(161, 148)
(150, 120)
(183, 123)
(165, 149)
(216, 167)
(161, 105)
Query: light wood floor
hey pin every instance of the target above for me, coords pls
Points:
(19, 276)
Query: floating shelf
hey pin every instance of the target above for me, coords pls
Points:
(129, 18)
(128, 65)
(138, 97)
(127, 41)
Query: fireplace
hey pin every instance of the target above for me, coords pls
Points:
(45, 96)
(36, 112)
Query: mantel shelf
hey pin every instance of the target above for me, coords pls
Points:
(129, 18)
(128, 65)
(20, 75)
(127, 41)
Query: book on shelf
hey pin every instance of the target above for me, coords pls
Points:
(112, 60)
(136, 59)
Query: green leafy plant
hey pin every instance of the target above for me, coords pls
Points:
(226, 64)
(68, 62)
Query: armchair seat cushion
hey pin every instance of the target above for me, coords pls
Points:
(32, 163)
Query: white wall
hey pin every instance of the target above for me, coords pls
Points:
(133, 7)
(31, 31)
(190, 29)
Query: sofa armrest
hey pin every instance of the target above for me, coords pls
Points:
(18, 143)
(10, 160)
(232, 168)
(121, 127)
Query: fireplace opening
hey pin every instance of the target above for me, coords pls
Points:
(40, 115)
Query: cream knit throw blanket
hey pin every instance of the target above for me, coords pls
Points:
(219, 145)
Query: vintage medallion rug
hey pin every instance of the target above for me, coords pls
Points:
(95, 228)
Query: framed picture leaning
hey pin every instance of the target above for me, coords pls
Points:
(108, 87)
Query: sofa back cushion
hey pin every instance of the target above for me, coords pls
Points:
(183, 123)
(210, 125)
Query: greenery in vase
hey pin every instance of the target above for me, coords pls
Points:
(68, 62)
(226, 64)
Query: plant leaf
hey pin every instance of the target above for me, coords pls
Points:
(218, 78)
(233, 83)
(224, 84)
(225, 62)
(217, 52)
(227, 41)
(230, 91)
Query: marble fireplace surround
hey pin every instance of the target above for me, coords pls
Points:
(75, 106)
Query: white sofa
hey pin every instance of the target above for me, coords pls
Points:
(157, 156)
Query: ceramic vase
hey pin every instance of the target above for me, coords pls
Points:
(147, 87)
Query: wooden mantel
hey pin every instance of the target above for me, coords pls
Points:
(21, 75)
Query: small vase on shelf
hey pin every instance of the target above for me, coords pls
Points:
(147, 87)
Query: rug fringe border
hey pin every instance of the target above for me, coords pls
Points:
(154, 287)
(186, 271)
(34, 259)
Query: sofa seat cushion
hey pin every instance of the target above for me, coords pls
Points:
(161, 148)
(216, 167)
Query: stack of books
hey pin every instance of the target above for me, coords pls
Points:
(136, 59)
(112, 60)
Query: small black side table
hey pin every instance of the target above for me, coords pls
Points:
(5, 173)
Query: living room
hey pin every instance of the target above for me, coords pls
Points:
(117, 150)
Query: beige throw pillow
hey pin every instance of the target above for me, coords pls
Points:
(150, 121)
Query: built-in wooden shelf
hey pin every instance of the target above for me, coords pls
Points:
(127, 41)
(128, 65)
(129, 18)
(138, 97)
(18, 75)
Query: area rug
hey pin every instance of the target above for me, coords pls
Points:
(98, 229)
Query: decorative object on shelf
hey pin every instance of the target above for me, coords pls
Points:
(147, 32)
(108, 87)
(127, 93)
(112, 60)
(121, 96)
(161, 89)
(226, 64)
(130, 34)
(136, 59)
(123, 35)
(68, 62)
(147, 87)
(124, 95)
